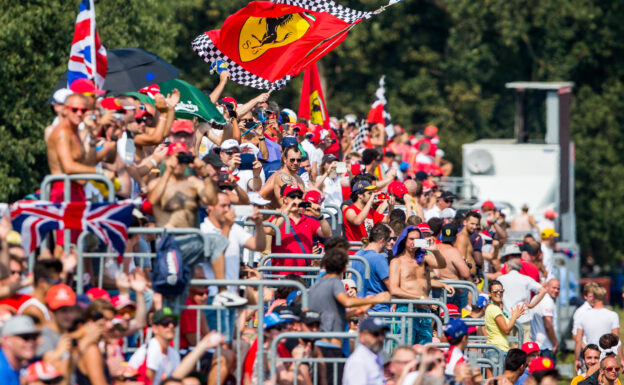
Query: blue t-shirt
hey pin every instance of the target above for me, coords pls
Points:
(379, 270)
(7, 374)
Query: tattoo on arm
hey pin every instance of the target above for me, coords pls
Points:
(287, 179)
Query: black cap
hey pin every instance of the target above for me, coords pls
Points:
(449, 233)
(288, 313)
(310, 317)
(447, 195)
(214, 160)
(373, 325)
(421, 175)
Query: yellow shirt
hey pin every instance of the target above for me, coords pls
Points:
(495, 336)
(580, 378)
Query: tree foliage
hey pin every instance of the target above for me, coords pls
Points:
(445, 61)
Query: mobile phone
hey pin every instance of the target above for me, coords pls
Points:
(185, 158)
(422, 243)
(246, 161)
(117, 116)
(341, 167)
(224, 175)
(243, 210)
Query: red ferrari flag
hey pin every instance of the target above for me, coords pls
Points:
(266, 43)
(312, 105)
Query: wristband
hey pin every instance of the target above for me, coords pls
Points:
(261, 138)
(162, 118)
(153, 162)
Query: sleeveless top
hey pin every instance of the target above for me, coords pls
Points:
(36, 303)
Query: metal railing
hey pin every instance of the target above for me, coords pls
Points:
(281, 214)
(405, 322)
(482, 362)
(278, 233)
(467, 285)
(267, 258)
(519, 339)
(359, 281)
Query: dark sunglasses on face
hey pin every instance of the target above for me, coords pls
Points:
(392, 239)
(29, 337)
(127, 379)
(295, 196)
(13, 272)
(231, 152)
(612, 368)
(449, 200)
(53, 381)
(498, 291)
(76, 109)
(168, 322)
(279, 328)
(294, 160)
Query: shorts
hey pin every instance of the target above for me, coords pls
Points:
(57, 195)
(228, 321)
(422, 333)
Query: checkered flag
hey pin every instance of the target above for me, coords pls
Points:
(345, 14)
(361, 138)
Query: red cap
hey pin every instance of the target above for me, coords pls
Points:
(96, 292)
(424, 228)
(140, 113)
(85, 86)
(121, 301)
(530, 347)
(230, 99)
(397, 188)
(431, 131)
(541, 363)
(150, 90)
(60, 295)
(356, 169)
(550, 214)
(182, 125)
(428, 185)
(177, 147)
(42, 371)
(313, 196)
(291, 188)
(303, 128)
(111, 104)
(488, 205)
(146, 207)
(452, 309)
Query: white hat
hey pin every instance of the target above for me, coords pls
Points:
(247, 145)
(229, 144)
(257, 199)
(447, 213)
(60, 95)
(512, 249)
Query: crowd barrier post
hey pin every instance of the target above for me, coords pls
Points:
(338, 213)
(334, 223)
(458, 284)
(281, 214)
(267, 258)
(278, 233)
(411, 315)
(497, 369)
(411, 303)
(359, 282)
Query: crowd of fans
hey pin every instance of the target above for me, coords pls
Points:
(414, 236)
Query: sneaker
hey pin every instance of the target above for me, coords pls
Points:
(228, 299)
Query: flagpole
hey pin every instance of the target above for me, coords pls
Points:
(93, 53)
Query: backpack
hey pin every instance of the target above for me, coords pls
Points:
(170, 274)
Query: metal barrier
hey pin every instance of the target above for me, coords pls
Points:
(334, 222)
(338, 212)
(406, 319)
(267, 258)
(132, 230)
(497, 368)
(519, 339)
(260, 284)
(359, 282)
(278, 233)
(461, 285)
(461, 187)
(281, 214)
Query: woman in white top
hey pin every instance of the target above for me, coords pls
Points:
(329, 180)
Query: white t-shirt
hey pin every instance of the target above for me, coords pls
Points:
(578, 314)
(314, 154)
(548, 260)
(423, 158)
(245, 176)
(433, 212)
(518, 289)
(546, 308)
(237, 239)
(597, 322)
(333, 191)
(162, 364)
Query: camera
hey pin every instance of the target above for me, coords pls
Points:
(185, 158)
(305, 205)
(224, 176)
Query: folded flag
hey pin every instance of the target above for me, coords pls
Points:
(267, 43)
(109, 221)
(379, 112)
(312, 105)
(87, 59)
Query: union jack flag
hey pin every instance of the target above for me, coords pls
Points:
(87, 58)
(109, 221)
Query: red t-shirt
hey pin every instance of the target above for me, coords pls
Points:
(528, 269)
(250, 358)
(188, 323)
(356, 233)
(15, 301)
(305, 228)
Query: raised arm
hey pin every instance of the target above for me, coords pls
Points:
(216, 93)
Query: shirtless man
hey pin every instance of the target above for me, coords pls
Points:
(287, 175)
(464, 245)
(176, 199)
(456, 267)
(47, 273)
(410, 277)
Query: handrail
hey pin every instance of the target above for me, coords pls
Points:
(281, 214)
(464, 285)
(337, 208)
(427, 302)
(255, 282)
(131, 230)
(67, 178)
(359, 282)
(278, 233)
(267, 257)
(498, 369)
(481, 322)
(388, 314)
(331, 215)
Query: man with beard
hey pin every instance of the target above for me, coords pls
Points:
(464, 242)
(365, 366)
(287, 175)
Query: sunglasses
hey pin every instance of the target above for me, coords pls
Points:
(279, 328)
(129, 312)
(379, 334)
(143, 119)
(29, 337)
(231, 152)
(498, 291)
(54, 381)
(612, 368)
(294, 160)
(127, 379)
(13, 272)
(449, 200)
(392, 239)
(168, 322)
(295, 196)
(76, 109)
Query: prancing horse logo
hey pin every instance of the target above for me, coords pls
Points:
(260, 34)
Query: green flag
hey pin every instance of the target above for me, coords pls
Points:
(193, 103)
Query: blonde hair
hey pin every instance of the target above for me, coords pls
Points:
(599, 293)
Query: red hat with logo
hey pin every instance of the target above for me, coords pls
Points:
(452, 309)
(85, 86)
(541, 363)
(177, 147)
(530, 347)
(488, 205)
(290, 189)
(397, 188)
(59, 296)
(182, 125)
(424, 228)
(96, 292)
(229, 99)
(111, 104)
(150, 91)
(121, 301)
(42, 371)
(313, 196)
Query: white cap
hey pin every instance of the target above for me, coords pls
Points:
(257, 199)
(248, 147)
(60, 95)
(229, 144)
(447, 213)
